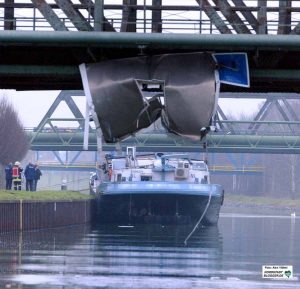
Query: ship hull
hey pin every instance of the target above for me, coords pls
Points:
(159, 203)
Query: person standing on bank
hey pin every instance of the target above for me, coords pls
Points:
(29, 176)
(8, 176)
(37, 176)
(17, 176)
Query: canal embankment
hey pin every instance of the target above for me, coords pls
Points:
(241, 204)
(22, 211)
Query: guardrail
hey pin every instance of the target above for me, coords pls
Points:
(214, 169)
(232, 169)
(194, 19)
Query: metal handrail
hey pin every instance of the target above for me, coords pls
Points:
(169, 25)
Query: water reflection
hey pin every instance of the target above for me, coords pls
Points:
(157, 251)
(228, 256)
(17, 249)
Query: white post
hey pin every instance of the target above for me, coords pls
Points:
(86, 88)
(86, 127)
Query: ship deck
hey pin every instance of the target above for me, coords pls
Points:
(180, 188)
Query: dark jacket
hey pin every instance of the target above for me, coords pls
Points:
(38, 174)
(29, 172)
(8, 172)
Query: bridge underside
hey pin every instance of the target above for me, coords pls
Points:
(44, 41)
(49, 60)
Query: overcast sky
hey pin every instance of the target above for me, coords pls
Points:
(33, 105)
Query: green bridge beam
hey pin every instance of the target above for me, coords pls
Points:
(147, 40)
(73, 71)
(213, 170)
(44, 65)
(48, 141)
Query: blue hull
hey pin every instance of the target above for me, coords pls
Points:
(163, 203)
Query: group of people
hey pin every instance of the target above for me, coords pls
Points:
(14, 174)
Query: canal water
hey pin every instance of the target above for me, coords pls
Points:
(230, 255)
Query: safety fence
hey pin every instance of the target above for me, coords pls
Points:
(32, 215)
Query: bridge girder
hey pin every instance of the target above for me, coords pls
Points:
(49, 60)
(259, 135)
(224, 143)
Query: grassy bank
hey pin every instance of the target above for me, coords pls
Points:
(261, 201)
(42, 195)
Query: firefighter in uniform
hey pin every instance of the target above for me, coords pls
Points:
(17, 177)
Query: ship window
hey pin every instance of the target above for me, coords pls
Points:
(204, 180)
(118, 164)
(200, 167)
(152, 87)
(119, 177)
(180, 165)
(146, 178)
(186, 165)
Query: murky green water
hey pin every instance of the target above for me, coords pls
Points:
(228, 256)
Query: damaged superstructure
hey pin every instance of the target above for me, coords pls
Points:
(130, 94)
(126, 95)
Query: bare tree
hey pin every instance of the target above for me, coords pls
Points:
(14, 144)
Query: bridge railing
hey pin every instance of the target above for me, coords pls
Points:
(230, 168)
(91, 167)
(255, 139)
(205, 17)
(143, 26)
(233, 127)
(261, 128)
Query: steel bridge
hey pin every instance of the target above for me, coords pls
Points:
(43, 42)
(214, 169)
(233, 138)
(262, 134)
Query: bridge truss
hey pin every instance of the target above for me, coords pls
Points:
(43, 42)
(262, 134)
(233, 137)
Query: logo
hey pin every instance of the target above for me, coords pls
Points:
(288, 273)
(277, 271)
